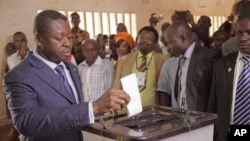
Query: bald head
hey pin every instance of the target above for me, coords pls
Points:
(93, 42)
(181, 29)
(179, 37)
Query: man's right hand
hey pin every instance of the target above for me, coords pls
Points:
(110, 100)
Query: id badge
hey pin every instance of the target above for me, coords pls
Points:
(141, 77)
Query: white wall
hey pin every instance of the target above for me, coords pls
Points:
(18, 15)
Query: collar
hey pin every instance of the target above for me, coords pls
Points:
(189, 51)
(148, 55)
(98, 61)
(52, 65)
(240, 55)
(19, 57)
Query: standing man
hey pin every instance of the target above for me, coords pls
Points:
(145, 62)
(163, 44)
(44, 91)
(121, 27)
(75, 20)
(185, 79)
(20, 42)
(96, 74)
(230, 96)
(202, 28)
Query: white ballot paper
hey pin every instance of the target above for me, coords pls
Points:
(130, 86)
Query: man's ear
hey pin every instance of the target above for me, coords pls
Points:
(38, 40)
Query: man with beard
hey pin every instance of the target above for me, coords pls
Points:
(145, 62)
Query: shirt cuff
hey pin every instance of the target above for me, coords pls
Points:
(91, 113)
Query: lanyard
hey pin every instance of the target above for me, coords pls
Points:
(146, 60)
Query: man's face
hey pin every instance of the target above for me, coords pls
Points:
(75, 20)
(175, 42)
(243, 34)
(90, 52)
(146, 42)
(18, 40)
(56, 43)
(162, 38)
(219, 39)
(112, 46)
(204, 22)
(23, 52)
(121, 28)
(78, 53)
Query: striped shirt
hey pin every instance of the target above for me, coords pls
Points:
(96, 79)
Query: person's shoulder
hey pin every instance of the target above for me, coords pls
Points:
(82, 30)
(205, 50)
(20, 71)
(208, 54)
(161, 56)
(128, 56)
(171, 61)
(12, 56)
(230, 42)
(229, 57)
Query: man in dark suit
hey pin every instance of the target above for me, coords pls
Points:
(227, 82)
(195, 64)
(44, 107)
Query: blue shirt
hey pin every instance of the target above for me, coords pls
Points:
(166, 82)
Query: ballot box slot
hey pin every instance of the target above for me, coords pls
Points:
(147, 120)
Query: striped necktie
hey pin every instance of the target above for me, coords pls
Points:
(242, 98)
(60, 70)
(178, 80)
(143, 68)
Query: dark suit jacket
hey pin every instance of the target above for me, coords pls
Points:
(40, 105)
(220, 100)
(199, 77)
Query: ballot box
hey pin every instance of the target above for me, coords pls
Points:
(154, 123)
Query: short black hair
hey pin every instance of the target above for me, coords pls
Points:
(74, 13)
(43, 18)
(184, 25)
(19, 33)
(105, 36)
(150, 29)
(112, 36)
(244, 11)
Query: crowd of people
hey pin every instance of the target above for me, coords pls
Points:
(70, 75)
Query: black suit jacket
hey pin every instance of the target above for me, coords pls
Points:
(199, 77)
(39, 103)
(220, 100)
